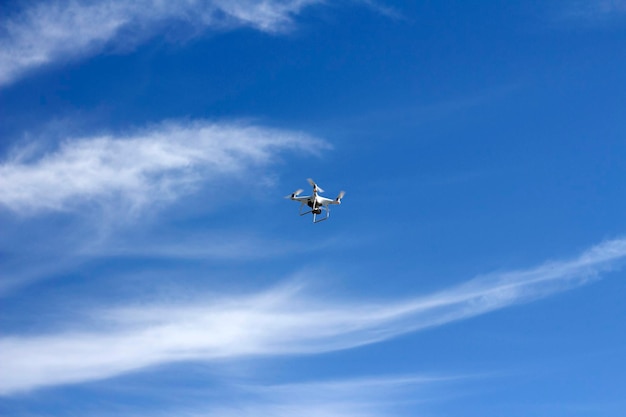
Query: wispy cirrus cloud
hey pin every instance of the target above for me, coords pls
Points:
(232, 245)
(594, 11)
(603, 7)
(280, 321)
(46, 32)
(152, 164)
(363, 397)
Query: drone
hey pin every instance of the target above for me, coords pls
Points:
(315, 202)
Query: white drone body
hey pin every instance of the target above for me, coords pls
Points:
(315, 202)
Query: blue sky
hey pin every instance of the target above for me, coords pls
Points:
(149, 265)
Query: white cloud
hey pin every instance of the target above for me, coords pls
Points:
(366, 396)
(594, 11)
(382, 9)
(50, 31)
(280, 321)
(350, 397)
(603, 7)
(230, 246)
(155, 164)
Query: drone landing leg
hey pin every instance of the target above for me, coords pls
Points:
(306, 212)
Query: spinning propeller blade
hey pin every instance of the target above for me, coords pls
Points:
(314, 185)
(341, 194)
(295, 193)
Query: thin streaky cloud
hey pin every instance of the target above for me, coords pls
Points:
(154, 164)
(594, 11)
(366, 396)
(382, 9)
(381, 395)
(47, 32)
(280, 321)
(74, 253)
(604, 7)
(230, 246)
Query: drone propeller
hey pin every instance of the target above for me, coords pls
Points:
(340, 196)
(314, 185)
(295, 193)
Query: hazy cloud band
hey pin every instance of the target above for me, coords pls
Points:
(51, 31)
(153, 164)
(280, 321)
